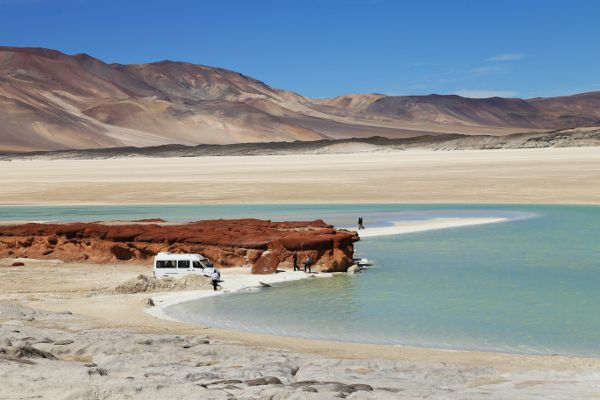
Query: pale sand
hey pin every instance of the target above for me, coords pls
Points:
(401, 227)
(234, 280)
(551, 175)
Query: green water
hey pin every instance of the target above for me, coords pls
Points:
(529, 285)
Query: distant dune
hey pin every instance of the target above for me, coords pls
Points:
(53, 101)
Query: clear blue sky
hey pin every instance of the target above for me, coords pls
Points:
(331, 47)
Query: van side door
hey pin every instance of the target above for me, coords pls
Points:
(183, 266)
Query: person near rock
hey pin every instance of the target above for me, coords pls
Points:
(216, 277)
(307, 264)
(295, 261)
(360, 223)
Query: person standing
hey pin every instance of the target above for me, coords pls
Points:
(216, 277)
(360, 223)
(295, 261)
(308, 264)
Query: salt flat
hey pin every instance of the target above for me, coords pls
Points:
(548, 175)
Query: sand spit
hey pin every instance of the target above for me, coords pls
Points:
(402, 227)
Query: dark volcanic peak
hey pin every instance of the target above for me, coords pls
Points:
(50, 101)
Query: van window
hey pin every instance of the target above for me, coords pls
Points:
(206, 263)
(196, 264)
(184, 264)
(166, 264)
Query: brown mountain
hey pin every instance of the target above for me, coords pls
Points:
(50, 100)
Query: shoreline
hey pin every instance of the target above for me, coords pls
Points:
(48, 302)
(238, 279)
(101, 307)
(134, 202)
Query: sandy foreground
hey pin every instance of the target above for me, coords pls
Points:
(111, 346)
(549, 175)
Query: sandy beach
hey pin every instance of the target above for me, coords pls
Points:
(548, 175)
(121, 349)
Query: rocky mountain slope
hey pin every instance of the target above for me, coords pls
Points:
(50, 100)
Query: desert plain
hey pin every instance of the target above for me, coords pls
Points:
(546, 175)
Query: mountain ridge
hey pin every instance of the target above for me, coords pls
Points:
(52, 101)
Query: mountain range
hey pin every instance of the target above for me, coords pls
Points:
(52, 101)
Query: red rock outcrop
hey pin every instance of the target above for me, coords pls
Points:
(266, 264)
(262, 244)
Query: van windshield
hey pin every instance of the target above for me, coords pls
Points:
(206, 263)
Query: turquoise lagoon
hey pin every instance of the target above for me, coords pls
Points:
(527, 285)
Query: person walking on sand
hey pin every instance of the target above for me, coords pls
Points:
(216, 277)
(360, 223)
(308, 264)
(295, 261)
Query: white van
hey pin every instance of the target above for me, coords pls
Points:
(169, 264)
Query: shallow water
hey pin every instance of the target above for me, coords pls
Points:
(529, 285)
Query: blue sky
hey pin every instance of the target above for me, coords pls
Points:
(331, 47)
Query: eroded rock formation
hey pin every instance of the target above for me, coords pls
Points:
(262, 244)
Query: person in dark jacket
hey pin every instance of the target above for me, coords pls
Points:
(360, 223)
(307, 264)
(295, 261)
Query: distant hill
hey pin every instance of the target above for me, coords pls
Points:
(52, 101)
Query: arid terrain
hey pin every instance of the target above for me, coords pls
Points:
(546, 175)
(580, 137)
(50, 101)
